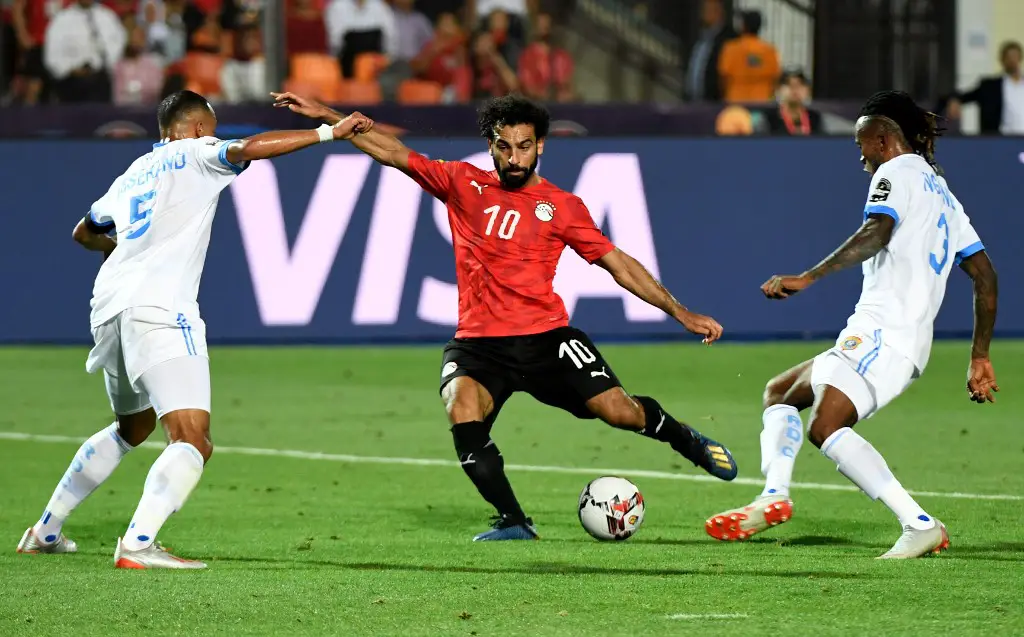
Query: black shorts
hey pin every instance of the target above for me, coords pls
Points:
(561, 368)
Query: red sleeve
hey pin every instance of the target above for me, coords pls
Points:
(433, 175)
(581, 233)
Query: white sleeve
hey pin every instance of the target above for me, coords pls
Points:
(967, 241)
(101, 213)
(212, 156)
(889, 194)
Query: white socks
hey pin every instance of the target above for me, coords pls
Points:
(171, 479)
(865, 467)
(781, 439)
(95, 461)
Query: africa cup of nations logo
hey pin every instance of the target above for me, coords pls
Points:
(545, 210)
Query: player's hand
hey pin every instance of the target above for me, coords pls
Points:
(702, 325)
(783, 286)
(981, 381)
(301, 105)
(352, 125)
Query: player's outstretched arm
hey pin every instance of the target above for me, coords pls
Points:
(870, 239)
(385, 149)
(634, 277)
(981, 378)
(93, 237)
(277, 143)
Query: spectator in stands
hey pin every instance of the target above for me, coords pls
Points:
(492, 76)
(545, 70)
(749, 66)
(305, 31)
(359, 26)
(702, 79)
(29, 20)
(139, 75)
(243, 76)
(443, 60)
(499, 25)
(518, 11)
(1000, 98)
(412, 33)
(83, 44)
(793, 117)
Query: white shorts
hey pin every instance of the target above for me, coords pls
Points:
(869, 372)
(152, 357)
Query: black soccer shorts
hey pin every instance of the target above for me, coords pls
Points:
(562, 368)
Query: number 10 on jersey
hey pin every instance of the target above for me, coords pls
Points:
(508, 222)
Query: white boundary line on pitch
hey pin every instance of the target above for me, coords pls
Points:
(707, 616)
(431, 462)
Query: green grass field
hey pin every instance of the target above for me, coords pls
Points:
(362, 545)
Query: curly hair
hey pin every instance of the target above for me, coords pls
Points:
(919, 126)
(511, 110)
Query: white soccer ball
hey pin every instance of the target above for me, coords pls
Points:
(611, 508)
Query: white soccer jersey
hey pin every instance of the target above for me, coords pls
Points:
(162, 208)
(904, 284)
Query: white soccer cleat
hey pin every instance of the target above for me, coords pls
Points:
(30, 544)
(742, 523)
(153, 556)
(916, 543)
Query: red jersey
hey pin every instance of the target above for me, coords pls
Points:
(507, 246)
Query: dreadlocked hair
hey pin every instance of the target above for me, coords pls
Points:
(920, 127)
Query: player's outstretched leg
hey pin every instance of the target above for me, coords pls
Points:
(781, 438)
(644, 415)
(858, 460)
(176, 388)
(468, 404)
(95, 460)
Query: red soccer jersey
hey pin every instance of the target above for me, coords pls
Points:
(507, 246)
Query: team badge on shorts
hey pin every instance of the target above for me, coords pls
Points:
(852, 342)
(545, 211)
(448, 369)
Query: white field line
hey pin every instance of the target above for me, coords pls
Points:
(707, 616)
(432, 462)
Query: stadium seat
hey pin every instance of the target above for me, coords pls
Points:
(202, 70)
(367, 66)
(321, 91)
(315, 67)
(419, 92)
(734, 120)
(362, 93)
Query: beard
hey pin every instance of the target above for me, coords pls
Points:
(515, 179)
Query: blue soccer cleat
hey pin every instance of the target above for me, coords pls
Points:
(505, 529)
(712, 456)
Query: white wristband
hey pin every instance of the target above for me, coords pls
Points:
(326, 133)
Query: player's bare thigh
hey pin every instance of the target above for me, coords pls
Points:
(618, 409)
(134, 429)
(792, 387)
(466, 400)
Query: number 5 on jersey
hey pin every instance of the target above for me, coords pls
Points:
(141, 208)
(508, 222)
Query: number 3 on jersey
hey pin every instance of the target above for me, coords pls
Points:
(936, 262)
(508, 222)
(141, 208)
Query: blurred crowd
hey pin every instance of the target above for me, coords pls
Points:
(133, 52)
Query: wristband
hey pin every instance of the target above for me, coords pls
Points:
(326, 133)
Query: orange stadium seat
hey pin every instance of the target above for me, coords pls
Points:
(202, 70)
(315, 67)
(362, 93)
(367, 66)
(419, 92)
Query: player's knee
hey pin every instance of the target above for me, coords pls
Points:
(774, 392)
(820, 430)
(134, 429)
(617, 409)
(191, 426)
(463, 401)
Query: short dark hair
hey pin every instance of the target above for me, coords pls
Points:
(795, 74)
(751, 22)
(177, 105)
(919, 126)
(511, 110)
(1010, 45)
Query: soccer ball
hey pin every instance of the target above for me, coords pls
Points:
(611, 508)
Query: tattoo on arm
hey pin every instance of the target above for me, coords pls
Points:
(986, 294)
(868, 241)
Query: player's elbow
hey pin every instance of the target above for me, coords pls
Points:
(81, 234)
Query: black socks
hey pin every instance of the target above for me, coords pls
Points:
(484, 465)
(662, 426)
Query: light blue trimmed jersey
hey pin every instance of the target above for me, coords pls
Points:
(162, 209)
(905, 283)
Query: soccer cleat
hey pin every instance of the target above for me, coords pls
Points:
(740, 524)
(711, 456)
(30, 544)
(506, 529)
(917, 543)
(153, 556)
